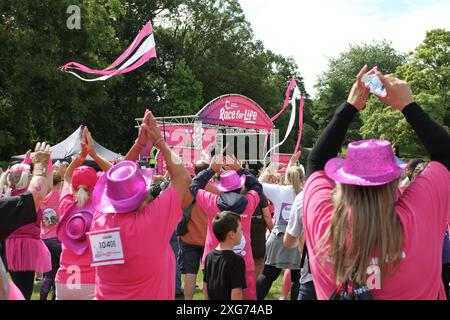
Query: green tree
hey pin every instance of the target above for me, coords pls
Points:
(40, 101)
(184, 92)
(205, 49)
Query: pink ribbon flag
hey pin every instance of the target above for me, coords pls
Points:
(139, 52)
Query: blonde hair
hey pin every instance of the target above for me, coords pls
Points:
(156, 179)
(364, 220)
(19, 176)
(295, 178)
(82, 195)
(4, 186)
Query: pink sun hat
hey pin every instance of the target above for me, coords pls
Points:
(368, 163)
(122, 189)
(73, 227)
(229, 181)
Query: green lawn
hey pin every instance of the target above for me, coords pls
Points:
(274, 293)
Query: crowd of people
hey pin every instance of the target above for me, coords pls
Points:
(359, 227)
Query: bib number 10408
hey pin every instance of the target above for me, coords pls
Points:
(106, 247)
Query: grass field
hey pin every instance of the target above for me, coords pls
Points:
(274, 293)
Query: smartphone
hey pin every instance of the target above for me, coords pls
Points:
(375, 85)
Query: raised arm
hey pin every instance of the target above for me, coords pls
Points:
(104, 164)
(202, 179)
(331, 139)
(179, 176)
(251, 182)
(141, 141)
(76, 162)
(273, 168)
(433, 136)
(39, 184)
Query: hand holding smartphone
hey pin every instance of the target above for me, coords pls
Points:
(374, 83)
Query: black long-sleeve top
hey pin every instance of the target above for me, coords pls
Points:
(435, 139)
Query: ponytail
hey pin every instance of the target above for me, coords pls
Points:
(82, 196)
(296, 178)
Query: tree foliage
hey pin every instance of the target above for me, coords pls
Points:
(428, 73)
(205, 49)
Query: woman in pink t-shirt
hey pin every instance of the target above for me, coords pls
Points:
(231, 184)
(75, 279)
(26, 253)
(357, 231)
(130, 232)
(49, 223)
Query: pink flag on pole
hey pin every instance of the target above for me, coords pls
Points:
(292, 85)
(139, 52)
(296, 95)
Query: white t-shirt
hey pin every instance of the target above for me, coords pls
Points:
(295, 229)
(295, 225)
(282, 198)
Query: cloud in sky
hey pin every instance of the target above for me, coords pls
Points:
(314, 31)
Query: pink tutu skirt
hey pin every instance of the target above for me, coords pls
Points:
(14, 292)
(27, 254)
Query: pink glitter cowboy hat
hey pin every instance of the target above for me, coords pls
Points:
(122, 189)
(368, 163)
(229, 181)
(73, 226)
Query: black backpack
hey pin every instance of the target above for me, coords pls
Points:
(182, 227)
(349, 290)
(352, 290)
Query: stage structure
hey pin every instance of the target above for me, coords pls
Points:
(232, 120)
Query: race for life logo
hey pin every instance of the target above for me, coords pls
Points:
(50, 218)
(239, 249)
(231, 111)
(285, 211)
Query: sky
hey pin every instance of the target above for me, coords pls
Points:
(312, 31)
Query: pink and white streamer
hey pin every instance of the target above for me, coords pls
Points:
(295, 96)
(128, 61)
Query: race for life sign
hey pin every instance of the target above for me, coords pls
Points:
(106, 247)
(235, 111)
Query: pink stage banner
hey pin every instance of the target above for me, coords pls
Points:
(189, 142)
(235, 111)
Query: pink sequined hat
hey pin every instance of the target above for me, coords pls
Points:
(368, 163)
(230, 181)
(73, 226)
(122, 189)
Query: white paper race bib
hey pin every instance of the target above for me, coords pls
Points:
(239, 249)
(106, 247)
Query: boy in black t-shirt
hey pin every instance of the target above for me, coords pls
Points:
(224, 275)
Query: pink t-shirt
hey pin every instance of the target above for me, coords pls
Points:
(149, 269)
(49, 212)
(73, 267)
(423, 210)
(208, 202)
(31, 230)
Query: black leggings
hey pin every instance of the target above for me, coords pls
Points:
(269, 275)
(24, 280)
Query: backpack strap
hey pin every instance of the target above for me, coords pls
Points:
(304, 254)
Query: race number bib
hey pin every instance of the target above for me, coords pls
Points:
(239, 249)
(106, 247)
